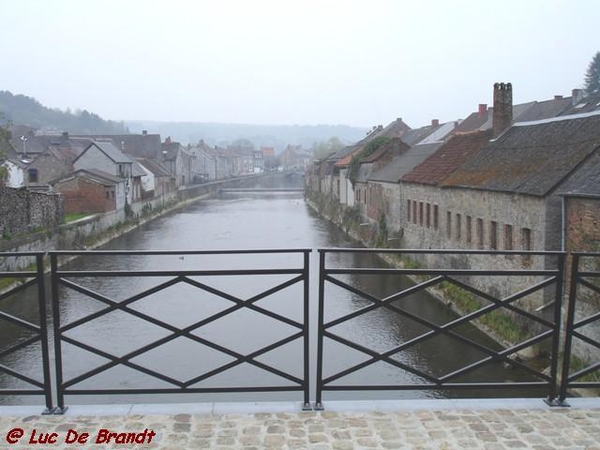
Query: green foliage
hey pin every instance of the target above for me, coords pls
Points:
(592, 76)
(370, 148)
(578, 364)
(27, 110)
(72, 217)
(324, 149)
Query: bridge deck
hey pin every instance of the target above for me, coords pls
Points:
(427, 424)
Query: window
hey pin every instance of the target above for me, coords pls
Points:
(436, 211)
(458, 226)
(428, 215)
(526, 235)
(469, 233)
(420, 213)
(414, 211)
(449, 224)
(508, 237)
(107, 195)
(479, 233)
(493, 235)
(120, 169)
(408, 210)
(33, 175)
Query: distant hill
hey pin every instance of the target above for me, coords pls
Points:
(20, 109)
(222, 134)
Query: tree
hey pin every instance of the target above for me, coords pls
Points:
(324, 149)
(592, 76)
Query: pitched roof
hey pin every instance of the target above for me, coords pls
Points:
(154, 167)
(584, 105)
(413, 137)
(139, 145)
(585, 180)
(448, 157)
(405, 162)
(531, 157)
(108, 148)
(98, 176)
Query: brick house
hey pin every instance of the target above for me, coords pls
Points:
(105, 157)
(91, 191)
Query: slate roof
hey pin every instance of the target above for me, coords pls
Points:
(545, 109)
(405, 162)
(448, 157)
(109, 149)
(413, 137)
(473, 122)
(531, 157)
(586, 104)
(154, 167)
(98, 176)
(586, 180)
(138, 145)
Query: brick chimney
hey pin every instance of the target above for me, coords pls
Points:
(65, 134)
(502, 116)
(558, 97)
(144, 132)
(576, 96)
(435, 122)
(482, 109)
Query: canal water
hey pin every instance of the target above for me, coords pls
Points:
(241, 221)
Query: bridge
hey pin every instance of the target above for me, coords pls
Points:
(260, 190)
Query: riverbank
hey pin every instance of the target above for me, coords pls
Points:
(374, 234)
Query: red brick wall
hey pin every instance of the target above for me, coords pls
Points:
(582, 224)
(85, 196)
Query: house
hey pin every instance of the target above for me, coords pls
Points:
(142, 145)
(104, 156)
(91, 191)
(179, 161)
(158, 180)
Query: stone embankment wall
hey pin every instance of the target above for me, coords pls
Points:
(22, 211)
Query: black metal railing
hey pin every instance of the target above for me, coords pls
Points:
(66, 279)
(534, 299)
(583, 325)
(31, 326)
(393, 303)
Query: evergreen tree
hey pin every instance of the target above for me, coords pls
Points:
(592, 76)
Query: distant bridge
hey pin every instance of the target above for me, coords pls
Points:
(260, 190)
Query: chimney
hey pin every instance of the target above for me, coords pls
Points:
(502, 116)
(435, 122)
(576, 96)
(65, 134)
(482, 109)
(145, 132)
(558, 97)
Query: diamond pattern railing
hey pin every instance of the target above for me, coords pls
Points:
(552, 278)
(582, 325)
(64, 279)
(32, 327)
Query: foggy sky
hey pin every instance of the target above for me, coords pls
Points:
(359, 63)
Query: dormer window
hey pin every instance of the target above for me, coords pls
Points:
(120, 169)
(33, 175)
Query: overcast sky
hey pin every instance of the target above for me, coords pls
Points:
(293, 62)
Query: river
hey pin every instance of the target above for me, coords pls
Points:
(242, 222)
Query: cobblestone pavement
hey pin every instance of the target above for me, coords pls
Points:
(431, 428)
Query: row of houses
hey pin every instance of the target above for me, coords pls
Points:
(505, 178)
(522, 177)
(100, 173)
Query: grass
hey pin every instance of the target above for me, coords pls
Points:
(72, 217)
(578, 364)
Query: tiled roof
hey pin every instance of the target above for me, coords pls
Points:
(448, 158)
(138, 145)
(531, 157)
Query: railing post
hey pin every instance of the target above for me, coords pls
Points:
(57, 337)
(569, 329)
(42, 310)
(556, 337)
(306, 331)
(320, 331)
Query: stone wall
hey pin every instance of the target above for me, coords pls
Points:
(22, 210)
